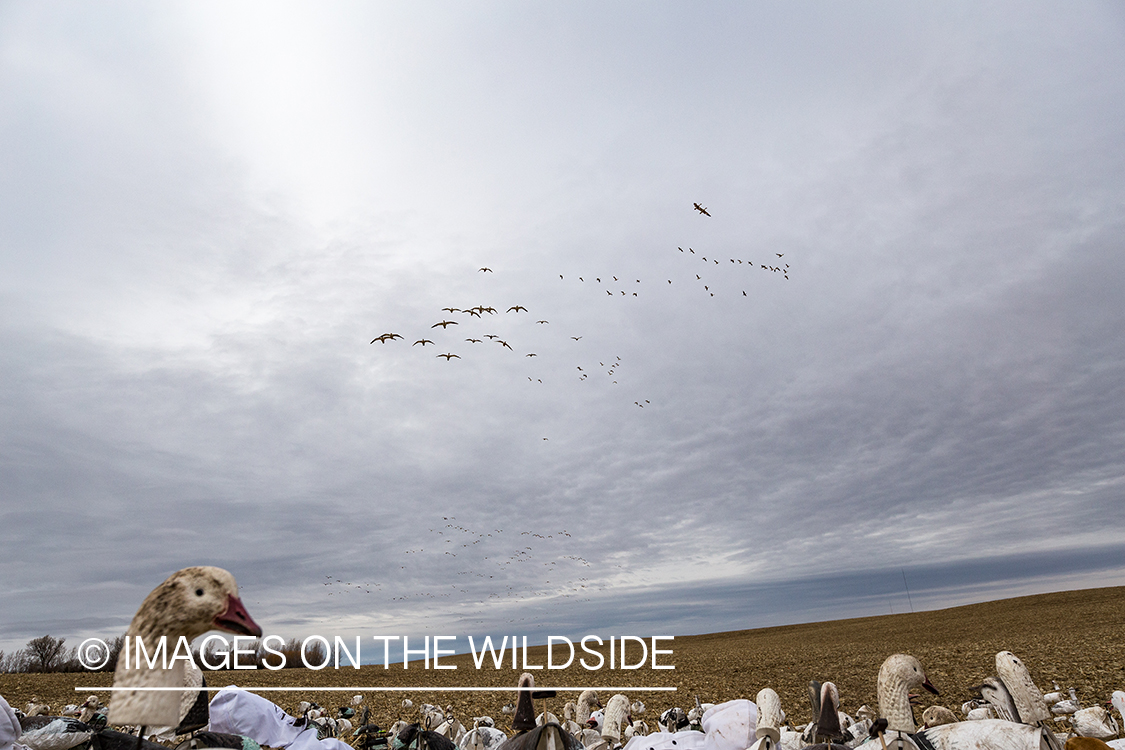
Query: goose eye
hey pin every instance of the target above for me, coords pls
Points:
(199, 592)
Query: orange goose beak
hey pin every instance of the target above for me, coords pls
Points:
(236, 619)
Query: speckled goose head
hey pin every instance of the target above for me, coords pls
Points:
(191, 602)
(900, 673)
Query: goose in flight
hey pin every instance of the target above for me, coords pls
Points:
(451, 309)
(444, 324)
(473, 341)
(505, 343)
(517, 308)
(491, 336)
(701, 209)
(385, 338)
(531, 355)
(576, 338)
(423, 342)
(450, 356)
(483, 270)
(543, 321)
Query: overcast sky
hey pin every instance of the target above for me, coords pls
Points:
(208, 211)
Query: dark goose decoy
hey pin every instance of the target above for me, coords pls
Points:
(531, 737)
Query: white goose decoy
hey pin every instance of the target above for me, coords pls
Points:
(1029, 701)
(731, 725)
(1063, 707)
(482, 737)
(902, 672)
(53, 732)
(935, 716)
(898, 675)
(189, 603)
(616, 715)
(995, 693)
(1094, 722)
(770, 715)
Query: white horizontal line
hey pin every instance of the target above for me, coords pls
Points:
(385, 689)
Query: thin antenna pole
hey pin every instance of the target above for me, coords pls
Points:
(907, 591)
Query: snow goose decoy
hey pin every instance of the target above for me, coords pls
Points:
(1095, 722)
(616, 715)
(770, 716)
(902, 672)
(532, 737)
(1029, 701)
(189, 603)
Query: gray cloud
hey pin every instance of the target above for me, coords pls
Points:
(206, 225)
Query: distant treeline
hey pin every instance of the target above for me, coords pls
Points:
(49, 654)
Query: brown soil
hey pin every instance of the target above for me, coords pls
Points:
(1073, 637)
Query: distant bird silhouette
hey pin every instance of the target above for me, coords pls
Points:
(491, 336)
(445, 324)
(609, 292)
(780, 255)
(385, 338)
(576, 338)
(543, 321)
(531, 355)
(423, 342)
(504, 343)
(450, 309)
(450, 356)
(474, 341)
(517, 308)
(701, 209)
(680, 249)
(489, 270)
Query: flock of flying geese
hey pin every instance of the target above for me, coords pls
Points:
(484, 560)
(614, 286)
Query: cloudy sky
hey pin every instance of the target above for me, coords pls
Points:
(208, 211)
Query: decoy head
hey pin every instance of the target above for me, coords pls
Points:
(524, 718)
(191, 602)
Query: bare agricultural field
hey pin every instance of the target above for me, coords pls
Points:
(1072, 637)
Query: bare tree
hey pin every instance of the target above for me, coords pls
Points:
(115, 646)
(47, 653)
